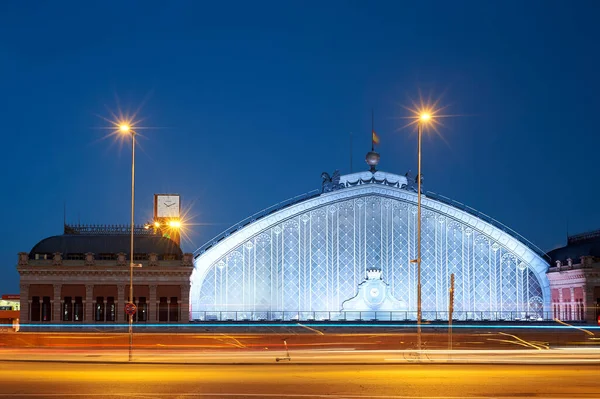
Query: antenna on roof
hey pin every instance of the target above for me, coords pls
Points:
(350, 152)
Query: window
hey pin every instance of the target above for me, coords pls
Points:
(111, 309)
(78, 309)
(173, 310)
(163, 309)
(142, 310)
(107, 257)
(46, 309)
(67, 313)
(140, 256)
(169, 257)
(35, 308)
(75, 257)
(99, 309)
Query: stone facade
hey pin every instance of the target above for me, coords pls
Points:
(55, 290)
(575, 289)
(574, 277)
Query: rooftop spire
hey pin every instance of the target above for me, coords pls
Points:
(372, 157)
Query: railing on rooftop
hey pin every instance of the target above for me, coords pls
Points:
(316, 193)
(490, 220)
(583, 236)
(105, 229)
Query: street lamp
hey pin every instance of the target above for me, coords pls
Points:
(423, 119)
(126, 129)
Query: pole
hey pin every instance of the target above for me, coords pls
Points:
(131, 242)
(372, 130)
(350, 152)
(420, 129)
(450, 311)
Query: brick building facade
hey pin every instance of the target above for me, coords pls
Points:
(82, 277)
(574, 276)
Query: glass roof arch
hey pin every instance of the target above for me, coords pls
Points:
(312, 255)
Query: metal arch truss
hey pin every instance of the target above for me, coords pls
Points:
(312, 256)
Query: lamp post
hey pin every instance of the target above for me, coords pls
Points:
(423, 119)
(126, 129)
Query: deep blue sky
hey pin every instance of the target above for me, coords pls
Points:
(255, 99)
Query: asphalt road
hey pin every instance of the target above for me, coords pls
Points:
(306, 337)
(68, 380)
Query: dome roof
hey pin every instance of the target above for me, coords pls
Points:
(586, 244)
(112, 244)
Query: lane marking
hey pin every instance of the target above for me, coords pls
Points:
(577, 328)
(523, 341)
(312, 329)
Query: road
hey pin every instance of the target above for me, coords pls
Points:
(302, 337)
(67, 380)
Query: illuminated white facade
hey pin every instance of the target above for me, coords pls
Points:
(310, 256)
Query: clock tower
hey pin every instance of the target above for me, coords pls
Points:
(167, 216)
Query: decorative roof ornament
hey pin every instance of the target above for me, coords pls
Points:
(331, 183)
(372, 159)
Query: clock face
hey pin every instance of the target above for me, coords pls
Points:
(167, 206)
(374, 292)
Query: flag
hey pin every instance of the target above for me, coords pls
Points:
(375, 138)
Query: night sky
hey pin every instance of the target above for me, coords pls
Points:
(250, 101)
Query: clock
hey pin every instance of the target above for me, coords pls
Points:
(166, 205)
(374, 292)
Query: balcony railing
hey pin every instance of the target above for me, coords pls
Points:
(362, 316)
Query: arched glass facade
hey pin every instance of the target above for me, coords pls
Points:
(310, 257)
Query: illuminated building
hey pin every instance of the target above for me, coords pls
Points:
(82, 276)
(574, 276)
(9, 312)
(307, 257)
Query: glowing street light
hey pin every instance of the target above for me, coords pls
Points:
(125, 128)
(424, 118)
(426, 113)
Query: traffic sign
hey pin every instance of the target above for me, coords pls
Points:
(130, 308)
